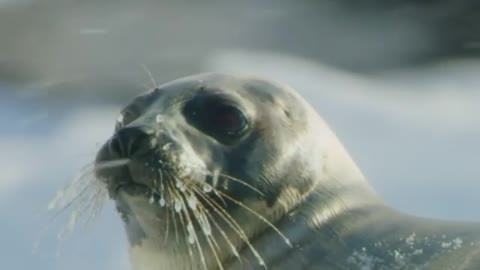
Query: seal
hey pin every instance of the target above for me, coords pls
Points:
(217, 171)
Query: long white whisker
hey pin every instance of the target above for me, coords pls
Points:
(222, 232)
(287, 241)
(233, 224)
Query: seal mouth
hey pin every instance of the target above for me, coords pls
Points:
(161, 178)
(131, 188)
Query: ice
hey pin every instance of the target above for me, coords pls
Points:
(410, 240)
(457, 243)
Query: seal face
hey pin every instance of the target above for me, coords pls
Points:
(201, 157)
(224, 172)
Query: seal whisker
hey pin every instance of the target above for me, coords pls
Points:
(161, 202)
(84, 195)
(242, 183)
(202, 221)
(167, 225)
(190, 233)
(219, 197)
(207, 215)
(187, 235)
(171, 196)
(95, 207)
(224, 235)
(110, 164)
(233, 224)
(197, 240)
(150, 76)
(216, 174)
(85, 204)
(56, 203)
(287, 241)
(185, 229)
(208, 236)
(84, 172)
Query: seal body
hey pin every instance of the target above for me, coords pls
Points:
(226, 172)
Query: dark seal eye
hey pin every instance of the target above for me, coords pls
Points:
(230, 119)
(216, 118)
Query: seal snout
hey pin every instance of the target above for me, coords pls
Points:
(132, 141)
(153, 161)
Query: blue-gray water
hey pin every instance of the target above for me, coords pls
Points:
(415, 135)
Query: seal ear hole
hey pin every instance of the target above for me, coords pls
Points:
(216, 117)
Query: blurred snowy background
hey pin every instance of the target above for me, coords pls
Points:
(398, 81)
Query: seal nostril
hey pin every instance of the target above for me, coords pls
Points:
(115, 146)
(131, 141)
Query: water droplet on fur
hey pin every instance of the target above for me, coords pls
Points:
(180, 185)
(187, 171)
(153, 142)
(192, 201)
(215, 176)
(161, 202)
(178, 206)
(207, 229)
(191, 238)
(235, 252)
(207, 188)
(166, 146)
(159, 118)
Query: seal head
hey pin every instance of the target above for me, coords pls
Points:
(226, 172)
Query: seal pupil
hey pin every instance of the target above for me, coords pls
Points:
(216, 117)
(230, 119)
